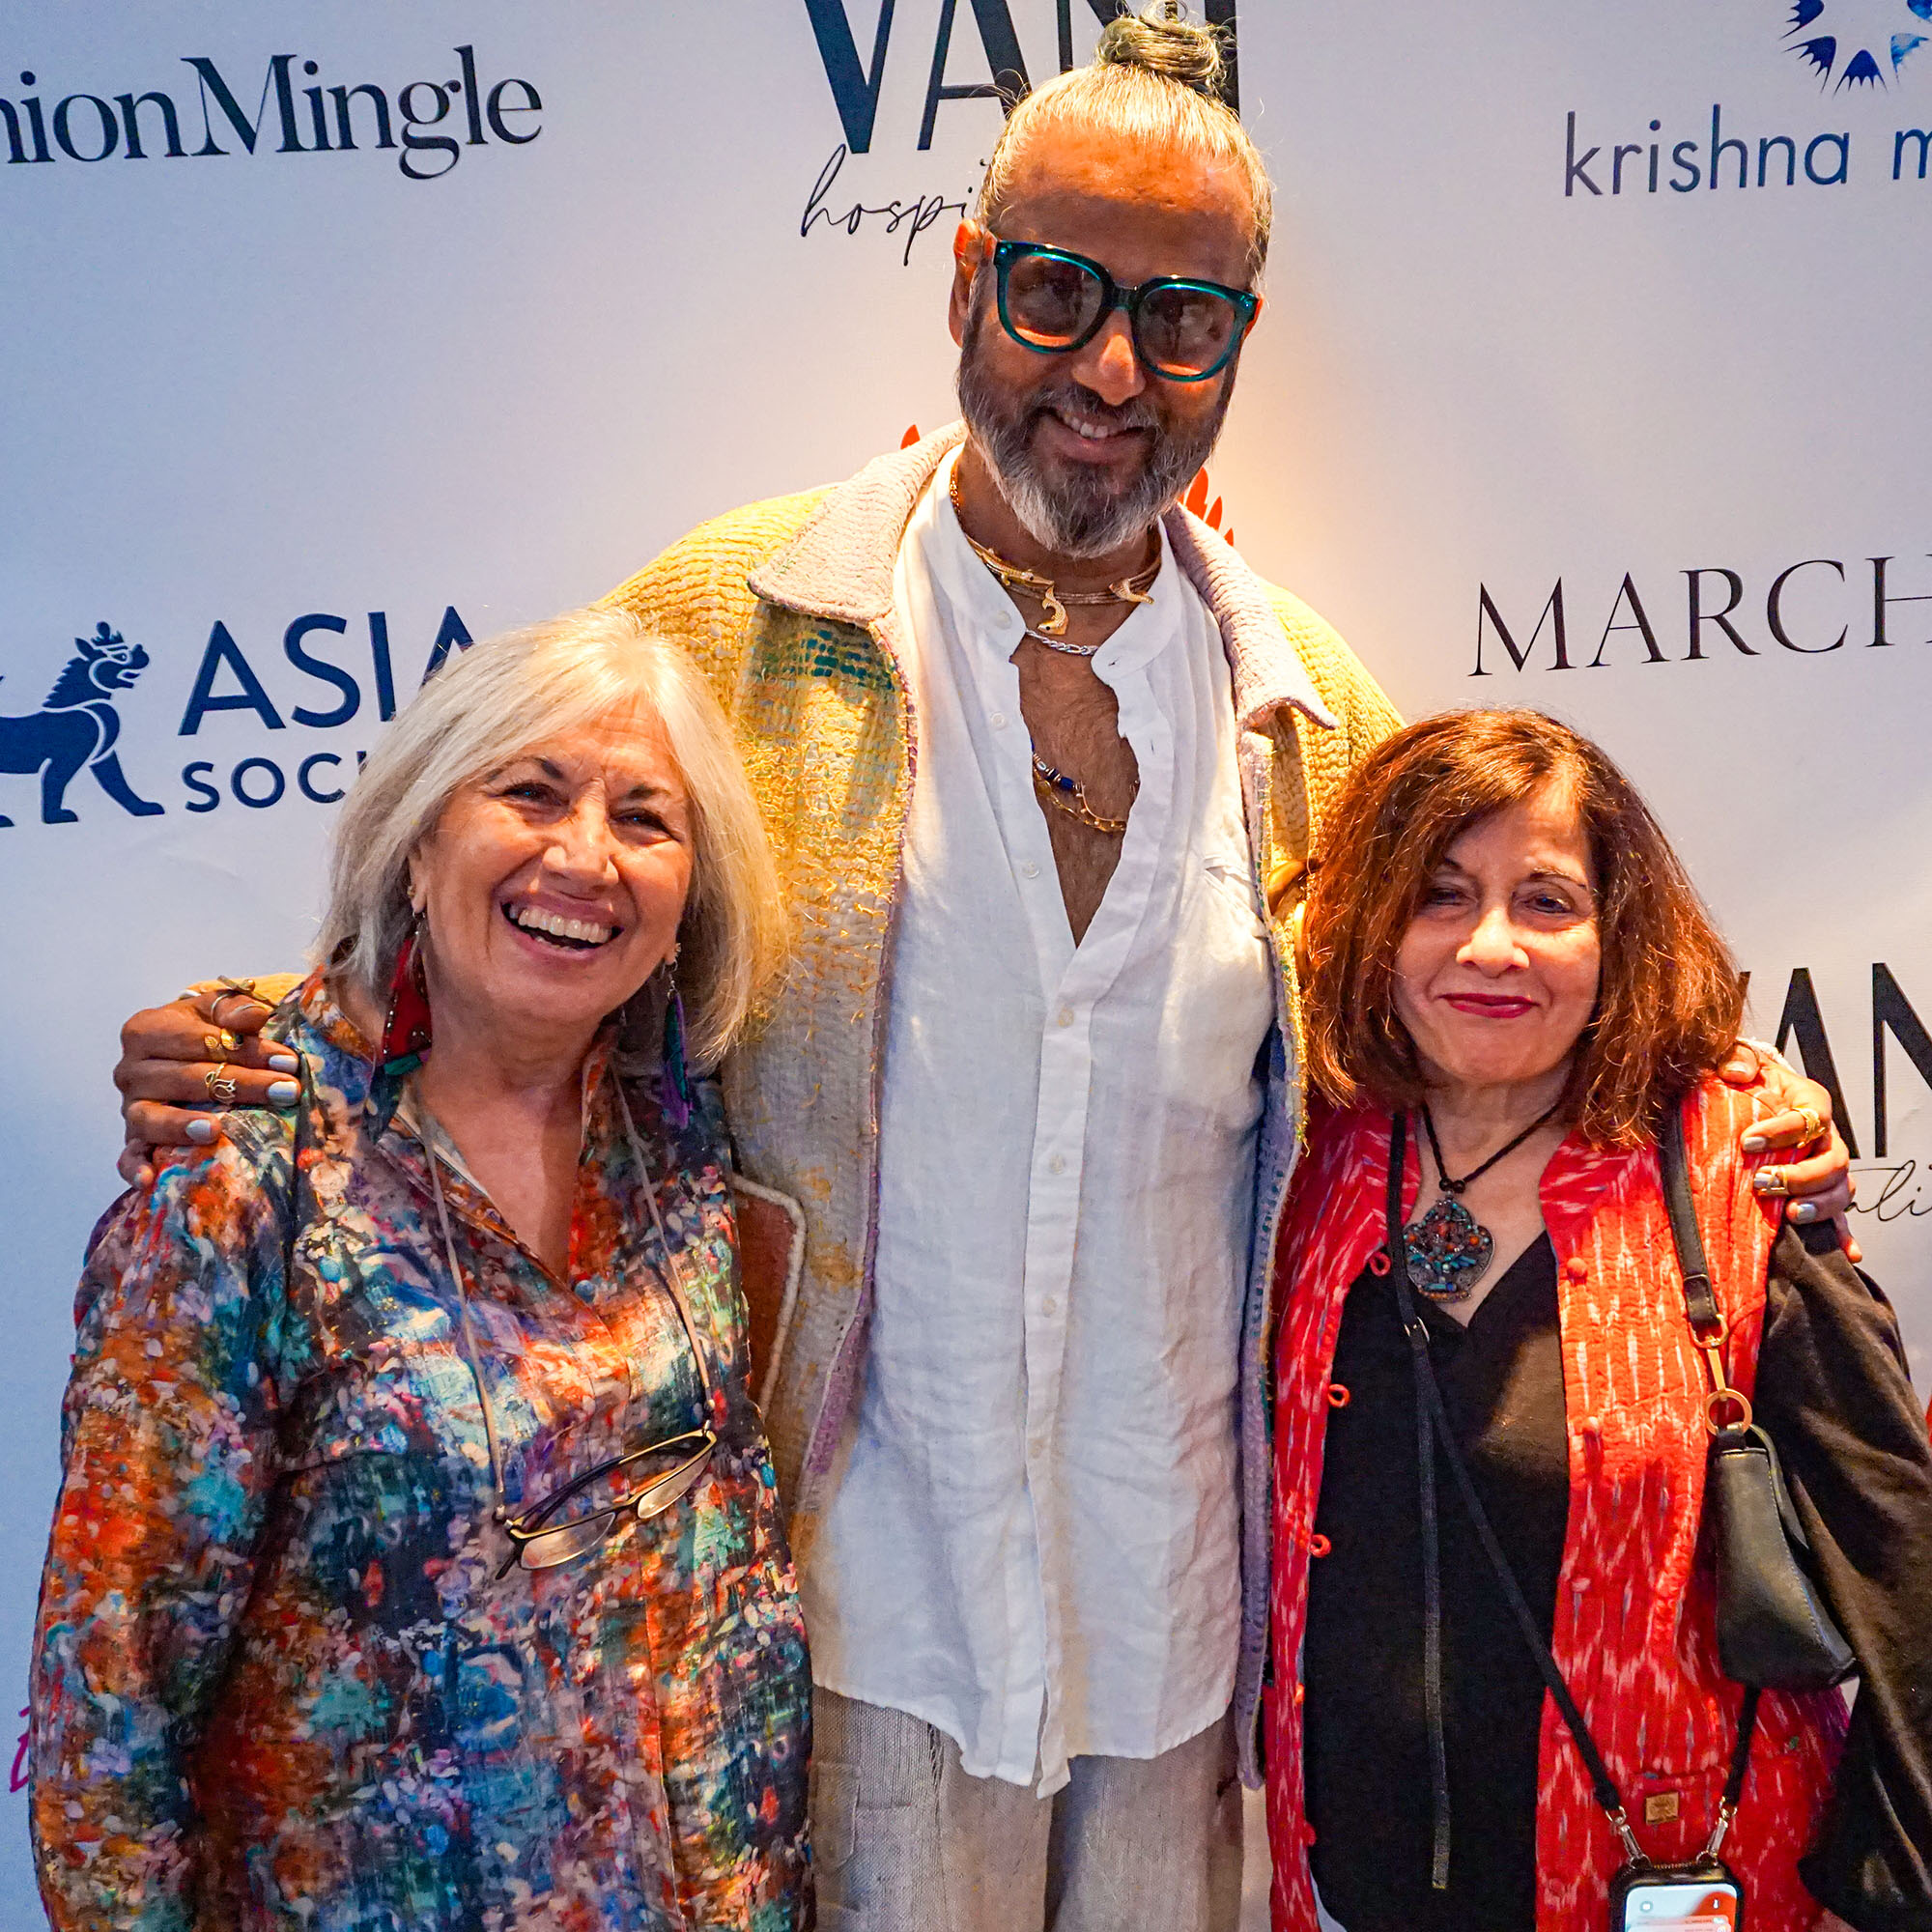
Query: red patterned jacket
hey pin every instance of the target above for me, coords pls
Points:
(1634, 1630)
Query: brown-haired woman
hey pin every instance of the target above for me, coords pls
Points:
(1511, 976)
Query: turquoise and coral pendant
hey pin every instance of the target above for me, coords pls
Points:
(1447, 1249)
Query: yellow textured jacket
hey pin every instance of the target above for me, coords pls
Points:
(788, 606)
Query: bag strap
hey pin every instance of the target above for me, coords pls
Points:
(1432, 1562)
(1700, 1303)
(1433, 1428)
(1708, 1330)
(1734, 1785)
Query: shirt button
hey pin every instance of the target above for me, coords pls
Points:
(1056, 1165)
(1049, 1306)
(1030, 871)
(1576, 1270)
(1064, 1017)
(999, 720)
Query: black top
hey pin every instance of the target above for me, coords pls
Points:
(1831, 1391)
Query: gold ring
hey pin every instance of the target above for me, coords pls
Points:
(218, 1045)
(1814, 1123)
(1717, 1400)
(1771, 1182)
(221, 1087)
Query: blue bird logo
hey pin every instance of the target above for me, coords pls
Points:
(1857, 44)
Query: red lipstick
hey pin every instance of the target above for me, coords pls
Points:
(1490, 1006)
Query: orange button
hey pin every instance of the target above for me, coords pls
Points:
(1577, 1269)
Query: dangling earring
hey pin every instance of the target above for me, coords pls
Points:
(406, 1033)
(674, 1090)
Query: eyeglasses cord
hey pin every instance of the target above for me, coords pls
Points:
(673, 1271)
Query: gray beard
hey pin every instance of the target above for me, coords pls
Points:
(1076, 514)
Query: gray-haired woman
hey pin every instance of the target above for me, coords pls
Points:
(416, 1559)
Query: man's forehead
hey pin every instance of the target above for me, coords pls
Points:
(1153, 209)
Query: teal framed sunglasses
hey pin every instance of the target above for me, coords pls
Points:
(1055, 302)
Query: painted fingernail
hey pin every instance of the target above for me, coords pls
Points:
(285, 1062)
(1804, 1210)
(201, 1132)
(284, 1093)
(1755, 1142)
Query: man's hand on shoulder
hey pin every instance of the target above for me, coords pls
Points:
(184, 1065)
(1818, 1184)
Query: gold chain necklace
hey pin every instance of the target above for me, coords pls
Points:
(1051, 630)
(1070, 796)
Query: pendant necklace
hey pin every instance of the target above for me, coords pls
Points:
(1051, 630)
(1449, 1250)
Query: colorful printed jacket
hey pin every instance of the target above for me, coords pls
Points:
(279, 1682)
(1635, 1631)
(788, 604)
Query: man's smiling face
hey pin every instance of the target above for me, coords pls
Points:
(1090, 446)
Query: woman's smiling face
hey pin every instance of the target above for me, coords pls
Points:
(554, 885)
(1496, 975)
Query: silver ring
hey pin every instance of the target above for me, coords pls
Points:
(231, 993)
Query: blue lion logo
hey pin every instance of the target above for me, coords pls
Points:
(77, 725)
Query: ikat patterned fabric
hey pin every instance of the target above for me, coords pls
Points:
(1636, 1631)
(279, 1682)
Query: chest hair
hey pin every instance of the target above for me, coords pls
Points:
(1075, 722)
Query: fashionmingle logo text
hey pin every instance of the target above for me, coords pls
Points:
(426, 124)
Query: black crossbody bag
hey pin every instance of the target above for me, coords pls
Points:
(1773, 1628)
(1644, 1893)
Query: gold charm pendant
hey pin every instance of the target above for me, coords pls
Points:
(1054, 601)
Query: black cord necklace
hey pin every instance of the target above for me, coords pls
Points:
(1449, 1250)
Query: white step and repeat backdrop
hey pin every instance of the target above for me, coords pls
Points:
(1592, 379)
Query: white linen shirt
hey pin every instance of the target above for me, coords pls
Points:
(1033, 1540)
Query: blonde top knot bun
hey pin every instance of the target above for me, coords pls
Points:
(1159, 42)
